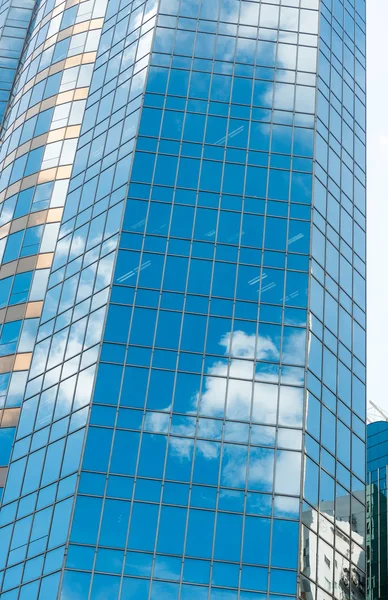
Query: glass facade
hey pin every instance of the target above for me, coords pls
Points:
(182, 354)
(377, 511)
(15, 17)
(40, 134)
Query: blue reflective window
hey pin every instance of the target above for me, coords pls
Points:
(107, 586)
(97, 449)
(114, 523)
(86, 520)
(142, 531)
(75, 582)
(6, 440)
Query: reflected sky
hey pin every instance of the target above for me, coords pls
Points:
(201, 379)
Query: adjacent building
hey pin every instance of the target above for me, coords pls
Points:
(377, 515)
(182, 287)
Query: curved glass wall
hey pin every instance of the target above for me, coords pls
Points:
(40, 135)
(15, 17)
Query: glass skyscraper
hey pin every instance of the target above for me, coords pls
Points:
(377, 511)
(182, 300)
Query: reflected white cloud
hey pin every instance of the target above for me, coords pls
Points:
(240, 392)
(242, 398)
(288, 472)
(182, 447)
(285, 506)
(241, 345)
(157, 422)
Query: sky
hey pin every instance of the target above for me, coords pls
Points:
(377, 188)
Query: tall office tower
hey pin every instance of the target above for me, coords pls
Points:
(183, 302)
(377, 511)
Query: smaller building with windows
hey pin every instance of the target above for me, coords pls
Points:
(377, 517)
